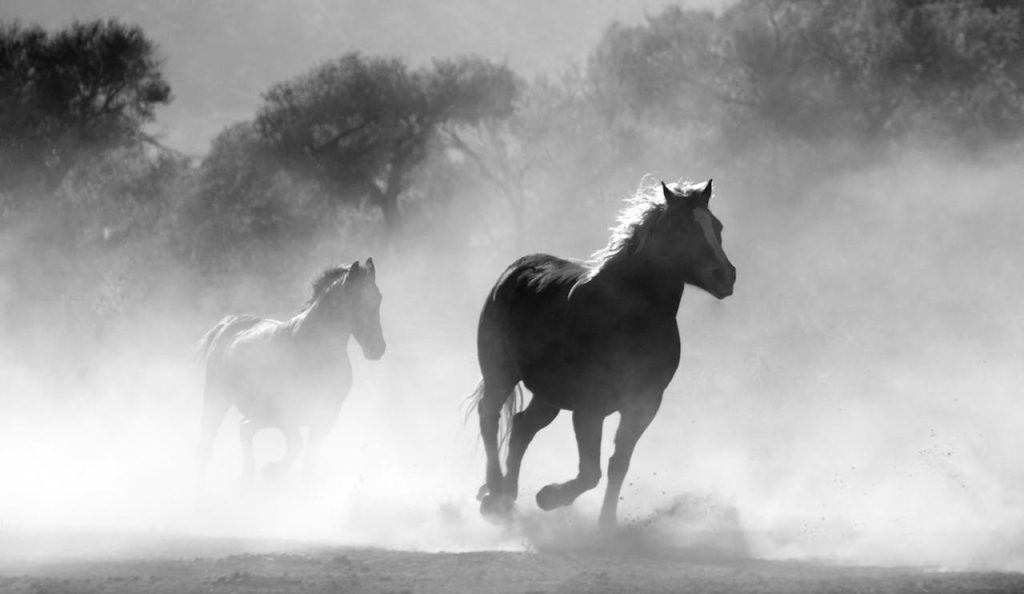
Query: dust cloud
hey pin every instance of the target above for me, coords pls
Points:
(855, 401)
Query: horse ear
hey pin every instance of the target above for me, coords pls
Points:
(371, 268)
(354, 267)
(705, 194)
(670, 196)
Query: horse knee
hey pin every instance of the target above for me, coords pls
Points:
(589, 477)
(618, 464)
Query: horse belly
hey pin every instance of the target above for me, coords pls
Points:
(275, 389)
(292, 407)
(584, 371)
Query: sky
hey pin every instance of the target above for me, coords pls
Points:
(220, 55)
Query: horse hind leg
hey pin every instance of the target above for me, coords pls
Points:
(214, 409)
(247, 434)
(292, 447)
(495, 391)
(314, 442)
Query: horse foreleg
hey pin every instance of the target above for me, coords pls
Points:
(525, 426)
(292, 447)
(632, 424)
(588, 426)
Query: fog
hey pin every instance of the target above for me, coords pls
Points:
(855, 401)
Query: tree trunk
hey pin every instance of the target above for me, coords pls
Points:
(388, 203)
(519, 217)
(388, 198)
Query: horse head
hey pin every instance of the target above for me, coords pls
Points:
(692, 238)
(364, 299)
(349, 295)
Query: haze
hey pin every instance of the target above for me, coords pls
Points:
(856, 400)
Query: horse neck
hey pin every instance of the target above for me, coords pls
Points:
(314, 324)
(657, 284)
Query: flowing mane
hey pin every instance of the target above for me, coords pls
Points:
(633, 226)
(325, 280)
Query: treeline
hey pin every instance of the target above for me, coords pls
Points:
(363, 152)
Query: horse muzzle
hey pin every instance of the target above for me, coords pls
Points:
(375, 351)
(721, 282)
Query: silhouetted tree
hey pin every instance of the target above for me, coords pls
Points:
(363, 124)
(67, 95)
(556, 143)
(811, 70)
(669, 67)
(246, 201)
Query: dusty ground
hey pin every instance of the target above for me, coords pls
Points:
(152, 564)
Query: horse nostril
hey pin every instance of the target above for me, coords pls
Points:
(724, 275)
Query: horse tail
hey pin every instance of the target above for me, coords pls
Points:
(213, 340)
(206, 343)
(514, 403)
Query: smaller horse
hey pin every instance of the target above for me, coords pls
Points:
(291, 374)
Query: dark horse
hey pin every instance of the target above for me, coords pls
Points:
(595, 338)
(292, 374)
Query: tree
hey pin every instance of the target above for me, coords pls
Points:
(555, 143)
(67, 95)
(812, 70)
(361, 125)
(669, 67)
(246, 204)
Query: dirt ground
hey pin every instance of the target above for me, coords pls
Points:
(84, 564)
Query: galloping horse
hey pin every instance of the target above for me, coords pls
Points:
(292, 374)
(595, 338)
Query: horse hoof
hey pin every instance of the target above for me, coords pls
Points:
(608, 526)
(482, 492)
(495, 508)
(548, 498)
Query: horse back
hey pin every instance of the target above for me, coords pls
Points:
(211, 346)
(271, 376)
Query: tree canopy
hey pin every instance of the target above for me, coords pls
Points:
(876, 69)
(67, 95)
(362, 124)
